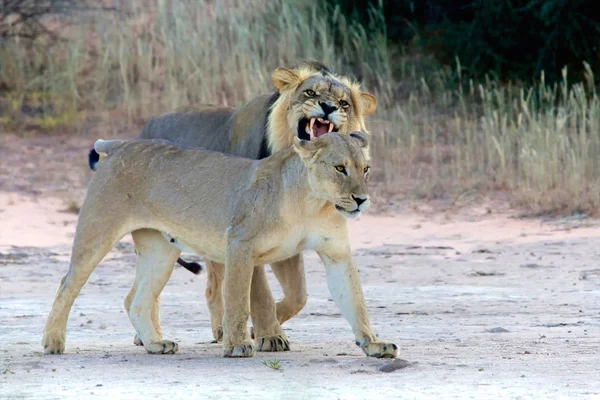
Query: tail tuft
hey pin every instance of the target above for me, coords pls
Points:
(193, 267)
(93, 159)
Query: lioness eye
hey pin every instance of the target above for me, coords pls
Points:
(309, 92)
(344, 104)
(340, 168)
(366, 169)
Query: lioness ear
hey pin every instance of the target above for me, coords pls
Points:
(369, 103)
(362, 139)
(284, 78)
(306, 148)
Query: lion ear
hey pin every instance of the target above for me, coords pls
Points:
(284, 78)
(368, 102)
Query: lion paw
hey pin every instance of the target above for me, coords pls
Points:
(54, 343)
(273, 343)
(244, 349)
(380, 350)
(162, 347)
(137, 341)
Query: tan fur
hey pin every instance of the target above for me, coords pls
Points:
(239, 212)
(241, 132)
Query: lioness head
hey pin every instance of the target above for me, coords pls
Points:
(338, 170)
(313, 101)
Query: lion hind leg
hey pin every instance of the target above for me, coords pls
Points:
(93, 240)
(154, 265)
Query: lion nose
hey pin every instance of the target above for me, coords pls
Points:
(359, 199)
(327, 108)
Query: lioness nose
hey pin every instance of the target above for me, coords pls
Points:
(359, 199)
(327, 108)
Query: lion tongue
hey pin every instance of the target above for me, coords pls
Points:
(320, 129)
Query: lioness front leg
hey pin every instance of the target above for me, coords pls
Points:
(345, 288)
(236, 292)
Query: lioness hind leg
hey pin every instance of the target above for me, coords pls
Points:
(291, 277)
(143, 240)
(155, 261)
(94, 238)
(214, 297)
(268, 334)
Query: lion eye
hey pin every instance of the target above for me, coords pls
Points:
(340, 168)
(366, 169)
(309, 92)
(344, 104)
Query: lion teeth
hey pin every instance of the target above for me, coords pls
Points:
(330, 127)
(309, 131)
(312, 122)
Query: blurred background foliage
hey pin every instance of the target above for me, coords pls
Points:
(508, 39)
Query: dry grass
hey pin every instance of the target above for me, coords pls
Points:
(435, 134)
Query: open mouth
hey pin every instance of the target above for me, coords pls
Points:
(312, 128)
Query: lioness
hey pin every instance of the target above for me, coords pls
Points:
(233, 210)
(310, 100)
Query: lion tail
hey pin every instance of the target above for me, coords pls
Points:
(102, 146)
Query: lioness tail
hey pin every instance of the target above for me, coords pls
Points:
(101, 146)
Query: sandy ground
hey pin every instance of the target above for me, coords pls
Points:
(482, 305)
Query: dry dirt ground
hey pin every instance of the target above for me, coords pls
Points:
(482, 305)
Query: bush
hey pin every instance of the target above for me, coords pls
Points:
(511, 39)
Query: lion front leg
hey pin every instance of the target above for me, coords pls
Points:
(291, 277)
(268, 334)
(236, 293)
(345, 288)
(214, 297)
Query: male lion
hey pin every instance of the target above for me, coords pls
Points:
(232, 210)
(310, 100)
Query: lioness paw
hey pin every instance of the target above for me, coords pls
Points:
(244, 349)
(380, 350)
(273, 343)
(162, 347)
(54, 343)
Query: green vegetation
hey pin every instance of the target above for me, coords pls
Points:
(273, 364)
(437, 130)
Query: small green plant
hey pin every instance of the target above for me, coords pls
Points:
(274, 364)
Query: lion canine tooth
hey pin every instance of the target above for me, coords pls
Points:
(330, 127)
(312, 122)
